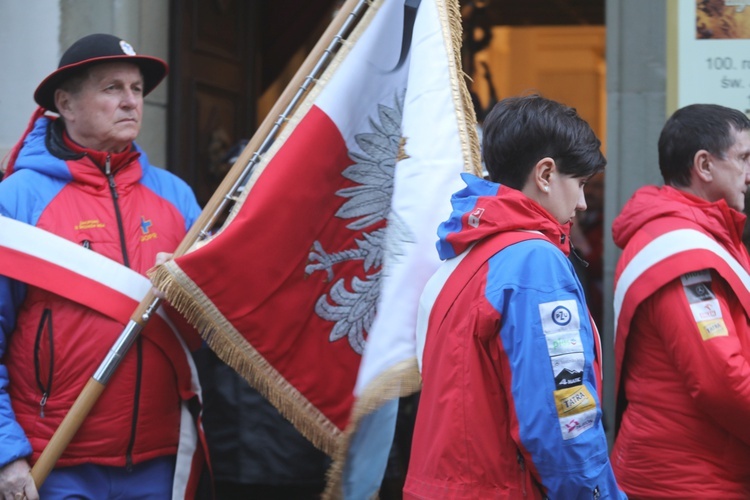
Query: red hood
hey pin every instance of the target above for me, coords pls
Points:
(485, 208)
(650, 202)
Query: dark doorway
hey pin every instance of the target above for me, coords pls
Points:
(223, 55)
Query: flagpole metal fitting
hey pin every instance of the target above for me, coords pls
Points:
(117, 352)
(121, 347)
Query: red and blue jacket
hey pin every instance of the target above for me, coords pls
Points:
(127, 210)
(510, 404)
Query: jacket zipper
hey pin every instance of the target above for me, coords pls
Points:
(139, 347)
(136, 405)
(522, 466)
(118, 214)
(46, 320)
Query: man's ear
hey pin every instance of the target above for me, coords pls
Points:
(62, 102)
(702, 165)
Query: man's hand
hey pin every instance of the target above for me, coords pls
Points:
(161, 258)
(16, 482)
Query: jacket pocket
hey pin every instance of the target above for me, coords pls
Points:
(44, 358)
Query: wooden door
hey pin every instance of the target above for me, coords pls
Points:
(213, 89)
(565, 63)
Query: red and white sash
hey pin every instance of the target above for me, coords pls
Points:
(47, 261)
(662, 260)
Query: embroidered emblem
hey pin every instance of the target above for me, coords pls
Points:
(704, 305)
(706, 309)
(573, 400)
(475, 217)
(577, 424)
(146, 230)
(127, 49)
(576, 410)
(145, 225)
(559, 316)
(351, 302)
(696, 277)
(563, 343)
(89, 224)
(711, 329)
(568, 370)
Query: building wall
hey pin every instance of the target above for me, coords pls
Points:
(35, 34)
(636, 112)
(30, 50)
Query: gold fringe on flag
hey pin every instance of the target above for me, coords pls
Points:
(235, 351)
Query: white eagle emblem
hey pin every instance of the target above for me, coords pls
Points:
(352, 307)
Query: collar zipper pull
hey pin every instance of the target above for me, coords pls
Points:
(42, 404)
(110, 177)
(574, 252)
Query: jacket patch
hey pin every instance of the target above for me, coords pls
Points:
(706, 310)
(475, 216)
(568, 370)
(574, 425)
(704, 305)
(89, 224)
(573, 400)
(696, 277)
(563, 343)
(146, 233)
(698, 292)
(559, 316)
(711, 329)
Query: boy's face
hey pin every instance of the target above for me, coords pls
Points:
(566, 196)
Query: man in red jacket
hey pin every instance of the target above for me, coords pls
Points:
(79, 174)
(682, 303)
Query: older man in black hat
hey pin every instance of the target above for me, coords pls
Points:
(78, 173)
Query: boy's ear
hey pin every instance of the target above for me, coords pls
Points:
(541, 174)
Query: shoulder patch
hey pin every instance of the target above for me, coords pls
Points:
(575, 425)
(568, 369)
(706, 310)
(576, 411)
(573, 400)
(704, 305)
(696, 277)
(563, 343)
(559, 316)
(713, 328)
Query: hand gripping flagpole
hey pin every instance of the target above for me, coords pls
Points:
(225, 195)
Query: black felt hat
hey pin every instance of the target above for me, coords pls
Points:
(93, 49)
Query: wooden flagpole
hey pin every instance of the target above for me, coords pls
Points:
(226, 193)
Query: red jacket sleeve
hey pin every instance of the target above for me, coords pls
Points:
(706, 336)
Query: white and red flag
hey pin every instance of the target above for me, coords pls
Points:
(325, 255)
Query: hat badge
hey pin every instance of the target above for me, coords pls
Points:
(127, 48)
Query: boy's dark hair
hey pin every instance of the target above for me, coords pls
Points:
(692, 128)
(520, 131)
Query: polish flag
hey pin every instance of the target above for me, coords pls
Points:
(325, 255)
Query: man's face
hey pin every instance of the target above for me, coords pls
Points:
(731, 173)
(106, 113)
